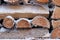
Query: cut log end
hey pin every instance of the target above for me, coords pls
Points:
(8, 22)
(56, 13)
(55, 24)
(41, 21)
(55, 33)
(22, 23)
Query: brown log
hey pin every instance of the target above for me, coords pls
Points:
(55, 24)
(8, 22)
(41, 21)
(56, 13)
(23, 23)
(17, 11)
(55, 33)
(56, 2)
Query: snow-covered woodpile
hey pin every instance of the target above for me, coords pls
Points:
(29, 19)
(55, 20)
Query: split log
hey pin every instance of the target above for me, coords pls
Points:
(55, 24)
(41, 21)
(56, 13)
(55, 33)
(25, 11)
(23, 23)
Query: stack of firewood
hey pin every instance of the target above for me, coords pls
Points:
(38, 21)
(9, 22)
(56, 20)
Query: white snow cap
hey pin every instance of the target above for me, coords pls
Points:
(10, 17)
(23, 19)
(5, 0)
